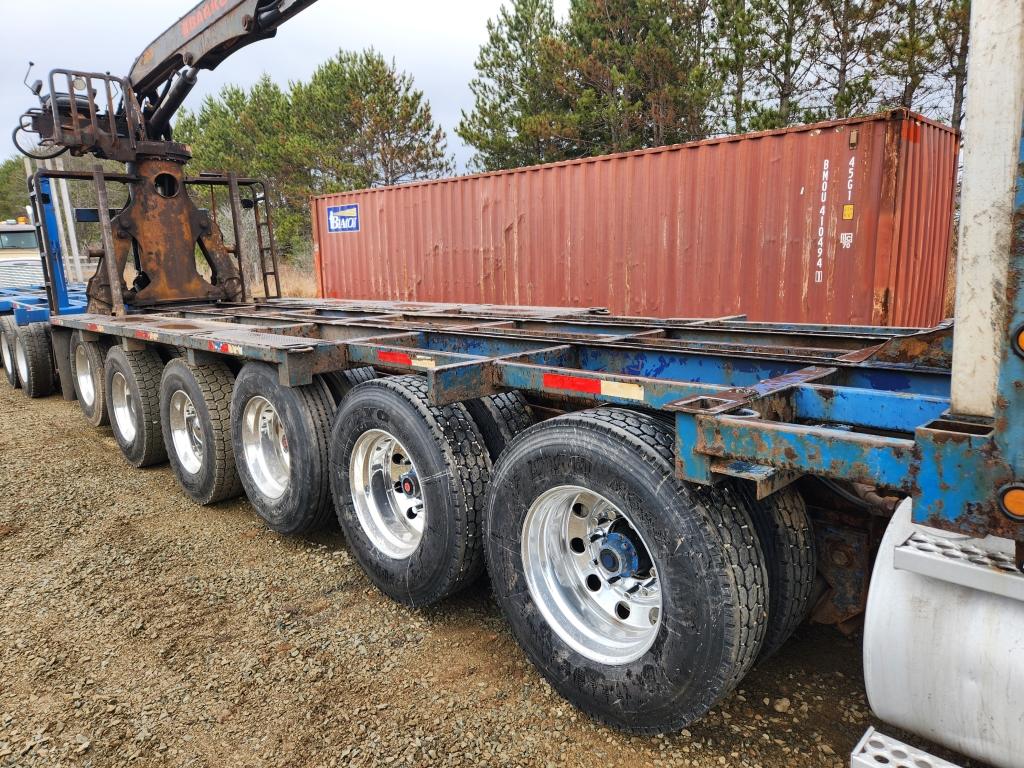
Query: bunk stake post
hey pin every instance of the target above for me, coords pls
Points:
(232, 192)
(109, 255)
(236, 218)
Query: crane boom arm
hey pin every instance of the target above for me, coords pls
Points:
(201, 39)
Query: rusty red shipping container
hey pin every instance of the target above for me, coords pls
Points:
(841, 222)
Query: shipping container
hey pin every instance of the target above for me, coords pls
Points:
(840, 222)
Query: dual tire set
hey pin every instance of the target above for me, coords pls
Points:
(642, 599)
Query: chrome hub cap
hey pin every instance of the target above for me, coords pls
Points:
(123, 407)
(83, 375)
(591, 575)
(186, 433)
(265, 446)
(386, 494)
(19, 356)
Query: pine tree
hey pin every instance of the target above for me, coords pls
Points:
(789, 63)
(514, 121)
(911, 56)
(246, 132)
(13, 188)
(953, 29)
(853, 37)
(365, 124)
(637, 73)
(738, 46)
(358, 122)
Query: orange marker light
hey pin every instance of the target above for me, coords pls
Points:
(1013, 502)
(1020, 339)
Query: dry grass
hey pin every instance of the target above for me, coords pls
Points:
(298, 281)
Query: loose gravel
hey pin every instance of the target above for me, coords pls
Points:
(139, 628)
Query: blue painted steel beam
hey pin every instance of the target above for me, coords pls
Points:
(862, 458)
(869, 409)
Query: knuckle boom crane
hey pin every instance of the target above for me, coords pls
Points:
(128, 120)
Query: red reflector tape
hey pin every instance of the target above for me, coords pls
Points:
(618, 389)
(572, 383)
(394, 357)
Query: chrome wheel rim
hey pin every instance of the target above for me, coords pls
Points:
(186, 432)
(591, 575)
(5, 350)
(386, 494)
(83, 375)
(21, 359)
(123, 406)
(265, 446)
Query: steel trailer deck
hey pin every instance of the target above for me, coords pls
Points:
(760, 401)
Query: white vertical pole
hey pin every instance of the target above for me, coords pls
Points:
(29, 170)
(69, 217)
(995, 103)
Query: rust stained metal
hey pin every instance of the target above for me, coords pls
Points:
(721, 227)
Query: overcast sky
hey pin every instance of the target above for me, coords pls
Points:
(435, 42)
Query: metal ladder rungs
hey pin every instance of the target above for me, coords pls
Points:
(970, 563)
(876, 750)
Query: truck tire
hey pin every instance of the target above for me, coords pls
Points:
(500, 418)
(34, 358)
(279, 436)
(642, 599)
(87, 359)
(409, 481)
(340, 383)
(8, 335)
(131, 381)
(195, 414)
(787, 539)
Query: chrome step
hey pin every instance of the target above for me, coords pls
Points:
(876, 750)
(982, 564)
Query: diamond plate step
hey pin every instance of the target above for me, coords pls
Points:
(968, 562)
(876, 750)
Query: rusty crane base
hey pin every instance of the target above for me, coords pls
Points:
(160, 229)
(764, 402)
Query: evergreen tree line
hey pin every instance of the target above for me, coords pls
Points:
(624, 74)
(358, 122)
(615, 75)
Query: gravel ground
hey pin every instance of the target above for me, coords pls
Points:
(137, 627)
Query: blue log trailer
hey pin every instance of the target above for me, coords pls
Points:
(657, 501)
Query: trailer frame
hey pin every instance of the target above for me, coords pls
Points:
(759, 401)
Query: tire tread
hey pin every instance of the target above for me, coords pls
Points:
(739, 557)
(469, 466)
(216, 381)
(39, 357)
(146, 367)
